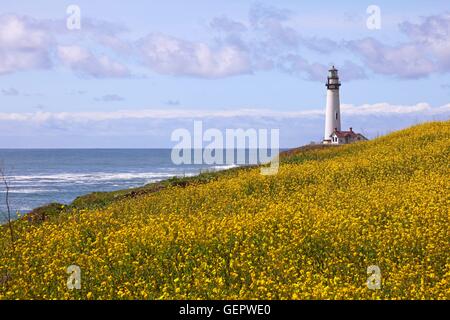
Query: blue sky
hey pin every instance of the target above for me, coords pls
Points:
(136, 71)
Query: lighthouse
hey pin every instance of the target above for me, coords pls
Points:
(332, 111)
(333, 133)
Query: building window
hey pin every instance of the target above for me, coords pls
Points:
(336, 115)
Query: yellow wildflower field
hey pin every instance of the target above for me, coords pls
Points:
(309, 232)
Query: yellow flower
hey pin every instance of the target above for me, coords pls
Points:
(309, 232)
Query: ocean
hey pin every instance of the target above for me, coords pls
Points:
(38, 177)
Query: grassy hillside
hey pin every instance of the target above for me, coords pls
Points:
(309, 232)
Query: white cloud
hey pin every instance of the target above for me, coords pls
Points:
(406, 60)
(85, 62)
(378, 109)
(266, 40)
(271, 43)
(227, 25)
(23, 44)
(426, 51)
(110, 98)
(271, 39)
(10, 92)
(387, 109)
(152, 128)
(27, 43)
(168, 55)
(431, 27)
(19, 32)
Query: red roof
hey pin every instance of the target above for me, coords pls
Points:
(343, 134)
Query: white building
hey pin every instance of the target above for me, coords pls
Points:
(342, 137)
(333, 133)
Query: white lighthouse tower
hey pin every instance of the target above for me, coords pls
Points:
(332, 112)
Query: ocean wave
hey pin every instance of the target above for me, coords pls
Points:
(225, 167)
(29, 190)
(43, 183)
(88, 177)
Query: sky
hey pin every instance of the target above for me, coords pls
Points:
(127, 74)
